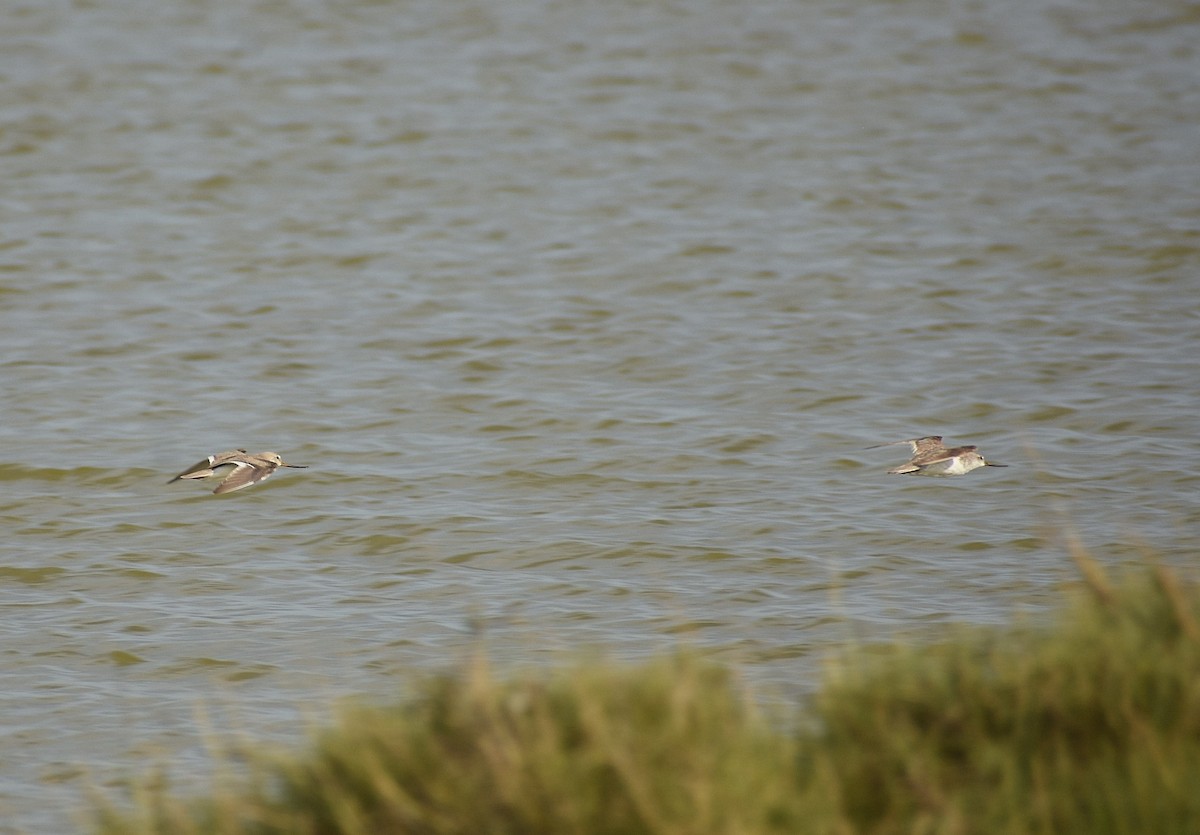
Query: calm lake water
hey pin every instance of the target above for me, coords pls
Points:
(582, 316)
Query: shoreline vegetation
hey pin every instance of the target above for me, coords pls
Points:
(1090, 724)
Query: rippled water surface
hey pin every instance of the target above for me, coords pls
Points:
(582, 316)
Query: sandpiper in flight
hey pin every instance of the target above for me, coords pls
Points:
(932, 457)
(238, 467)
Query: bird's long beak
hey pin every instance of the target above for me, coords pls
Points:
(990, 464)
(295, 466)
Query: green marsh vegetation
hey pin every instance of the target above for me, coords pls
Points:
(1087, 724)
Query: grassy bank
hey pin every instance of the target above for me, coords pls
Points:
(1091, 725)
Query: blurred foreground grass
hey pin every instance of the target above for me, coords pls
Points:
(1090, 725)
